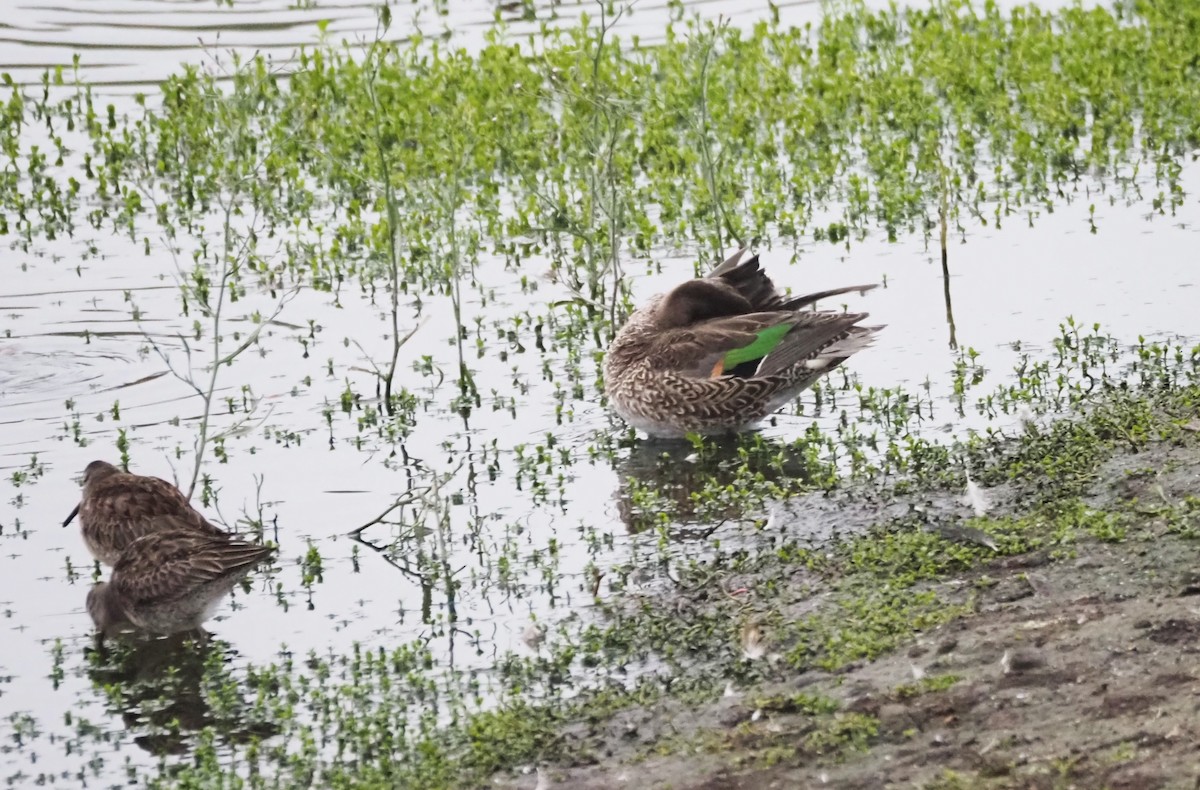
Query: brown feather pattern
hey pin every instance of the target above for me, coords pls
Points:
(658, 372)
(117, 508)
(172, 580)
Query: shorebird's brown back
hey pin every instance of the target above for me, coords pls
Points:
(172, 580)
(170, 565)
(118, 507)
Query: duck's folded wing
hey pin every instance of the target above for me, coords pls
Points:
(709, 349)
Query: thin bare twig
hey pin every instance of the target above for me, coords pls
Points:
(408, 498)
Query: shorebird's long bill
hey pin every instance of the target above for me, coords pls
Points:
(71, 517)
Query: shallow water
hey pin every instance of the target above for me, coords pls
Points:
(70, 350)
(128, 44)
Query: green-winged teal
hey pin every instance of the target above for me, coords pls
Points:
(172, 580)
(719, 353)
(117, 508)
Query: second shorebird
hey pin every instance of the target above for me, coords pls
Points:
(117, 508)
(172, 580)
(719, 353)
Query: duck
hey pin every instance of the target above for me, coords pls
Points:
(117, 508)
(171, 581)
(719, 353)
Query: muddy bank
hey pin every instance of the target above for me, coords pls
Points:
(1071, 664)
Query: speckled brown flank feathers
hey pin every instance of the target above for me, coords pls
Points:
(718, 353)
(172, 580)
(117, 508)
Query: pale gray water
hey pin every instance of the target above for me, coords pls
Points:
(1136, 276)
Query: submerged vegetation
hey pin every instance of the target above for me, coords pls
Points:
(768, 605)
(410, 161)
(436, 184)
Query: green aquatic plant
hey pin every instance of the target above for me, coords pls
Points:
(391, 220)
(424, 178)
(907, 120)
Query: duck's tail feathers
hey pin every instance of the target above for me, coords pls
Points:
(730, 263)
(822, 347)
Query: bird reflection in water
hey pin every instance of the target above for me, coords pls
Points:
(157, 685)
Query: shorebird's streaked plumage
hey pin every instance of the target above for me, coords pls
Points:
(172, 580)
(717, 354)
(116, 508)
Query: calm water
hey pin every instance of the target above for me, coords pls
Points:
(1136, 276)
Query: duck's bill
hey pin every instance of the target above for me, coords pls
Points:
(71, 517)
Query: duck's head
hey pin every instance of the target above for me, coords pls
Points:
(700, 300)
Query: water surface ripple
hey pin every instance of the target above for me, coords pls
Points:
(76, 370)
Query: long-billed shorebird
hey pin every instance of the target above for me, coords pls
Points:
(117, 508)
(172, 580)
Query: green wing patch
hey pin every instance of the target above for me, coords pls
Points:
(764, 342)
